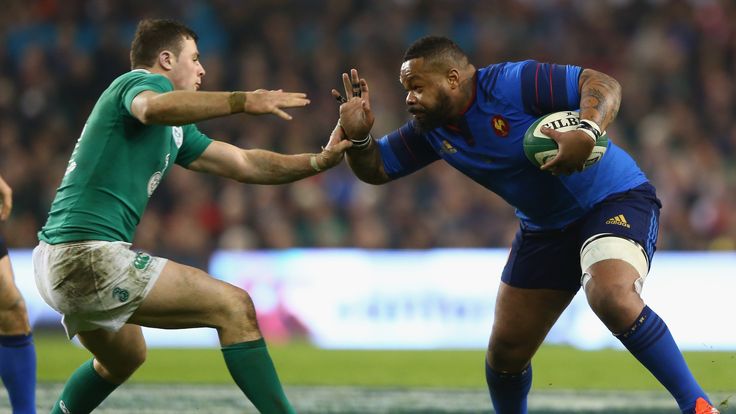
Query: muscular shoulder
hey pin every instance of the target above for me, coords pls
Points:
(500, 75)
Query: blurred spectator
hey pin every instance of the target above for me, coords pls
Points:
(674, 58)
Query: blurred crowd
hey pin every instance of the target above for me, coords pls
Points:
(674, 58)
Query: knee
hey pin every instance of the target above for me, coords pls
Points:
(610, 299)
(507, 355)
(238, 308)
(124, 366)
(614, 305)
(137, 358)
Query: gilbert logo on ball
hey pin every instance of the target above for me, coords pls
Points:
(539, 148)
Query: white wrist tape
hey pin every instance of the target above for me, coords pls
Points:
(363, 143)
(313, 163)
(590, 133)
(591, 128)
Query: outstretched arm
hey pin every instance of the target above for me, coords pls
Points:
(187, 107)
(256, 166)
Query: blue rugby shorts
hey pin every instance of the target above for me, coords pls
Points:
(551, 259)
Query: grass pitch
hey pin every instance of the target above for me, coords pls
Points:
(566, 380)
(226, 399)
(300, 364)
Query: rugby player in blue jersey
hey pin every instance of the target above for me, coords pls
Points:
(594, 228)
(17, 352)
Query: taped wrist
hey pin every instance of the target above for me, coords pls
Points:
(236, 101)
(362, 144)
(591, 128)
(313, 163)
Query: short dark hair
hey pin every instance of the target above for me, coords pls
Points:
(435, 47)
(154, 35)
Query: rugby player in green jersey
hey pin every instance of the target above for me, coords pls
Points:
(141, 125)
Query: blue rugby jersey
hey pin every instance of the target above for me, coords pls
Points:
(487, 145)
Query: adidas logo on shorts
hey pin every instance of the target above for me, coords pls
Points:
(619, 220)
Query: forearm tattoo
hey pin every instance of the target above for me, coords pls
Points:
(600, 97)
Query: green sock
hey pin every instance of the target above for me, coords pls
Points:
(84, 391)
(252, 369)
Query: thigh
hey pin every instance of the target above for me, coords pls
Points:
(9, 294)
(13, 315)
(186, 297)
(632, 215)
(544, 260)
(617, 275)
(523, 317)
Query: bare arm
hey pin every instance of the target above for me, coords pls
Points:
(600, 97)
(367, 165)
(6, 199)
(256, 166)
(187, 107)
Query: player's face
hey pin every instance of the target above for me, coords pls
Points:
(187, 71)
(427, 96)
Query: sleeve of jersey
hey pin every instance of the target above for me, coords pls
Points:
(546, 87)
(193, 146)
(405, 151)
(146, 82)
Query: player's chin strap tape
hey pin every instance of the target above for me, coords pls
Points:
(591, 128)
(608, 246)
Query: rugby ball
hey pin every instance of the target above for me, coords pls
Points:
(540, 148)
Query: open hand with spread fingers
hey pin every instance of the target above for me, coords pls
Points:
(356, 117)
(262, 101)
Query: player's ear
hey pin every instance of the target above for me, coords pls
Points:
(453, 78)
(166, 59)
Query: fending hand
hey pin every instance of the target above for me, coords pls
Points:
(356, 117)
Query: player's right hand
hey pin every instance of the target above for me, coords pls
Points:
(6, 200)
(356, 117)
(262, 101)
(334, 151)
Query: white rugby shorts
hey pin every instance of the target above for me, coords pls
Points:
(94, 284)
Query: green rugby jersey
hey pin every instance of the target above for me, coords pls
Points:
(116, 165)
